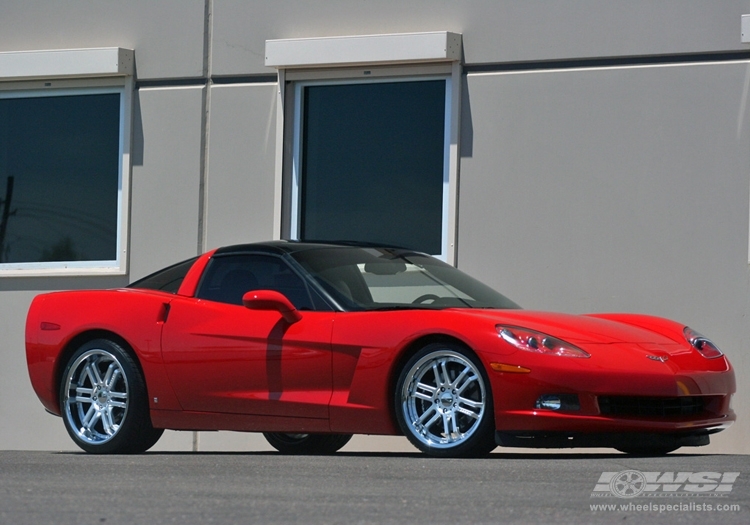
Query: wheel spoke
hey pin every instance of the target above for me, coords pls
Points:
(438, 379)
(432, 421)
(107, 423)
(80, 399)
(470, 403)
(429, 389)
(446, 423)
(469, 380)
(93, 372)
(419, 395)
(118, 395)
(113, 372)
(423, 391)
(81, 390)
(90, 418)
(446, 378)
(456, 382)
(455, 431)
(426, 414)
(466, 412)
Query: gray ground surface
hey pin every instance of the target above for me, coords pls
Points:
(261, 487)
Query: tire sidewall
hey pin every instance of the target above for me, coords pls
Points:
(310, 444)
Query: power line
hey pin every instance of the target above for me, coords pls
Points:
(6, 215)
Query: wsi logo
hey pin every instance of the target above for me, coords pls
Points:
(632, 483)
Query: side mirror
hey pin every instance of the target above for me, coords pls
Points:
(271, 300)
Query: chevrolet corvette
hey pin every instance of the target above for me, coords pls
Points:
(310, 343)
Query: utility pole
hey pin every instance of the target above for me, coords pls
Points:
(6, 215)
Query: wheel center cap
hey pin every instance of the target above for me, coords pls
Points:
(100, 395)
(446, 399)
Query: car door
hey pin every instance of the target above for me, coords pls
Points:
(224, 357)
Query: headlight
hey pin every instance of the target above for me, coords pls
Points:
(537, 342)
(701, 343)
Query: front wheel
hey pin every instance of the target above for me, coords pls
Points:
(444, 403)
(313, 444)
(103, 401)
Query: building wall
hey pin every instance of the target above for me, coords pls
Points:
(600, 169)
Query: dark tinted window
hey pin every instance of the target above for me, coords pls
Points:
(228, 278)
(59, 178)
(166, 280)
(373, 157)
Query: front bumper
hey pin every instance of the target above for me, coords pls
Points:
(687, 395)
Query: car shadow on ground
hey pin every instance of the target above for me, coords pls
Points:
(504, 456)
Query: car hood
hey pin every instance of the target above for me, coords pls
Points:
(580, 329)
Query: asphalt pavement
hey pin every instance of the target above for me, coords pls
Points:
(266, 487)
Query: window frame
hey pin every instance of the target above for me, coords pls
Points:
(287, 126)
(124, 86)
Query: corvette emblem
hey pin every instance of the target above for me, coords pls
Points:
(660, 358)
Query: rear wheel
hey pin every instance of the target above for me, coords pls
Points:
(103, 401)
(313, 444)
(647, 451)
(444, 402)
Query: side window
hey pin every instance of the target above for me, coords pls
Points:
(230, 277)
(166, 280)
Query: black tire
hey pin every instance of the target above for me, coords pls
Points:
(103, 401)
(306, 444)
(456, 398)
(647, 451)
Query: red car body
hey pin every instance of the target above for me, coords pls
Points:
(209, 365)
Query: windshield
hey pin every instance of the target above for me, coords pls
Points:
(384, 279)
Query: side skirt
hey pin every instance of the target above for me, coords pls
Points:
(206, 421)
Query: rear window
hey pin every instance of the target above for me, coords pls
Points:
(166, 280)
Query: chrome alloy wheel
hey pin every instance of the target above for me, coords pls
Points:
(95, 396)
(443, 399)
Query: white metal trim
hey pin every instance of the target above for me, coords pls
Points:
(62, 63)
(364, 49)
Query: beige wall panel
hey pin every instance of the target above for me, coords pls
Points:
(493, 31)
(167, 35)
(26, 426)
(615, 190)
(165, 179)
(242, 156)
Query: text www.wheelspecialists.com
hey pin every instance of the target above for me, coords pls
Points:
(665, 507)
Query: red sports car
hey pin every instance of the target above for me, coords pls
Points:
(310, 343)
